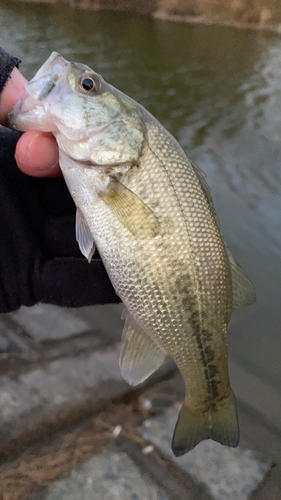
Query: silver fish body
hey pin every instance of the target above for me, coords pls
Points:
(149, 211)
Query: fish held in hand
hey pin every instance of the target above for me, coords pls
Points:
(149, 212)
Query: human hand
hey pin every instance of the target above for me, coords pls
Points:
(40, 260)
(36, 152)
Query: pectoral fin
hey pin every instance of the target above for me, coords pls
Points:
(132, 212)
(243, 290)
(140, 356)
(84, 236)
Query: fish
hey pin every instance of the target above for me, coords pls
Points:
(149, 211)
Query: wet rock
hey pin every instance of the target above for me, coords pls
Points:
(228, 473)
(110, 475)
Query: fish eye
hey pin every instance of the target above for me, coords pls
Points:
(89, 83)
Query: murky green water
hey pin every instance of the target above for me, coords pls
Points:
(218, 90)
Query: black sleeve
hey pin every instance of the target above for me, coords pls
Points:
(7, 64)
(39, 257)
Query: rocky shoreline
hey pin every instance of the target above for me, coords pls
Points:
(164, 16)
(70, 426)
(245, 14)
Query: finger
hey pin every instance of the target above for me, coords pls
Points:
(37, 154)
(11, 93)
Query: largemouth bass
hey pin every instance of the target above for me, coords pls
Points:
(149, 211)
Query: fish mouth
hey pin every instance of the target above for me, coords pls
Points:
(14, 113)
(47, 77)
(20, 113)
(30, 108)
(28, 113)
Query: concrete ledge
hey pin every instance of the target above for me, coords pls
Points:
(256, 393)
(228, 474)
(110, 475)
(45, 398)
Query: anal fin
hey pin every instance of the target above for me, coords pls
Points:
(140, 356)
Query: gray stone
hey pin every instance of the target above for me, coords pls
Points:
(46, 322)
(5, 340)
(229, 474)
(45, 391)
(256, 393)
(15, 399)
(42, 395)
(110, 475)
(10, 340)
(49, 322)
(69, 379)
(104, 317)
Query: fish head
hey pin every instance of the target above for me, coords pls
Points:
(91, 120)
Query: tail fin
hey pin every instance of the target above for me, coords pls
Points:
(219, 424)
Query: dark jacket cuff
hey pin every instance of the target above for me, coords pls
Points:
(7, 64)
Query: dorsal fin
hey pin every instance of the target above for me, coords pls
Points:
(243, 290)
(206, 189)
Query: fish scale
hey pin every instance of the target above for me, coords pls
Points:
(149, 211)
